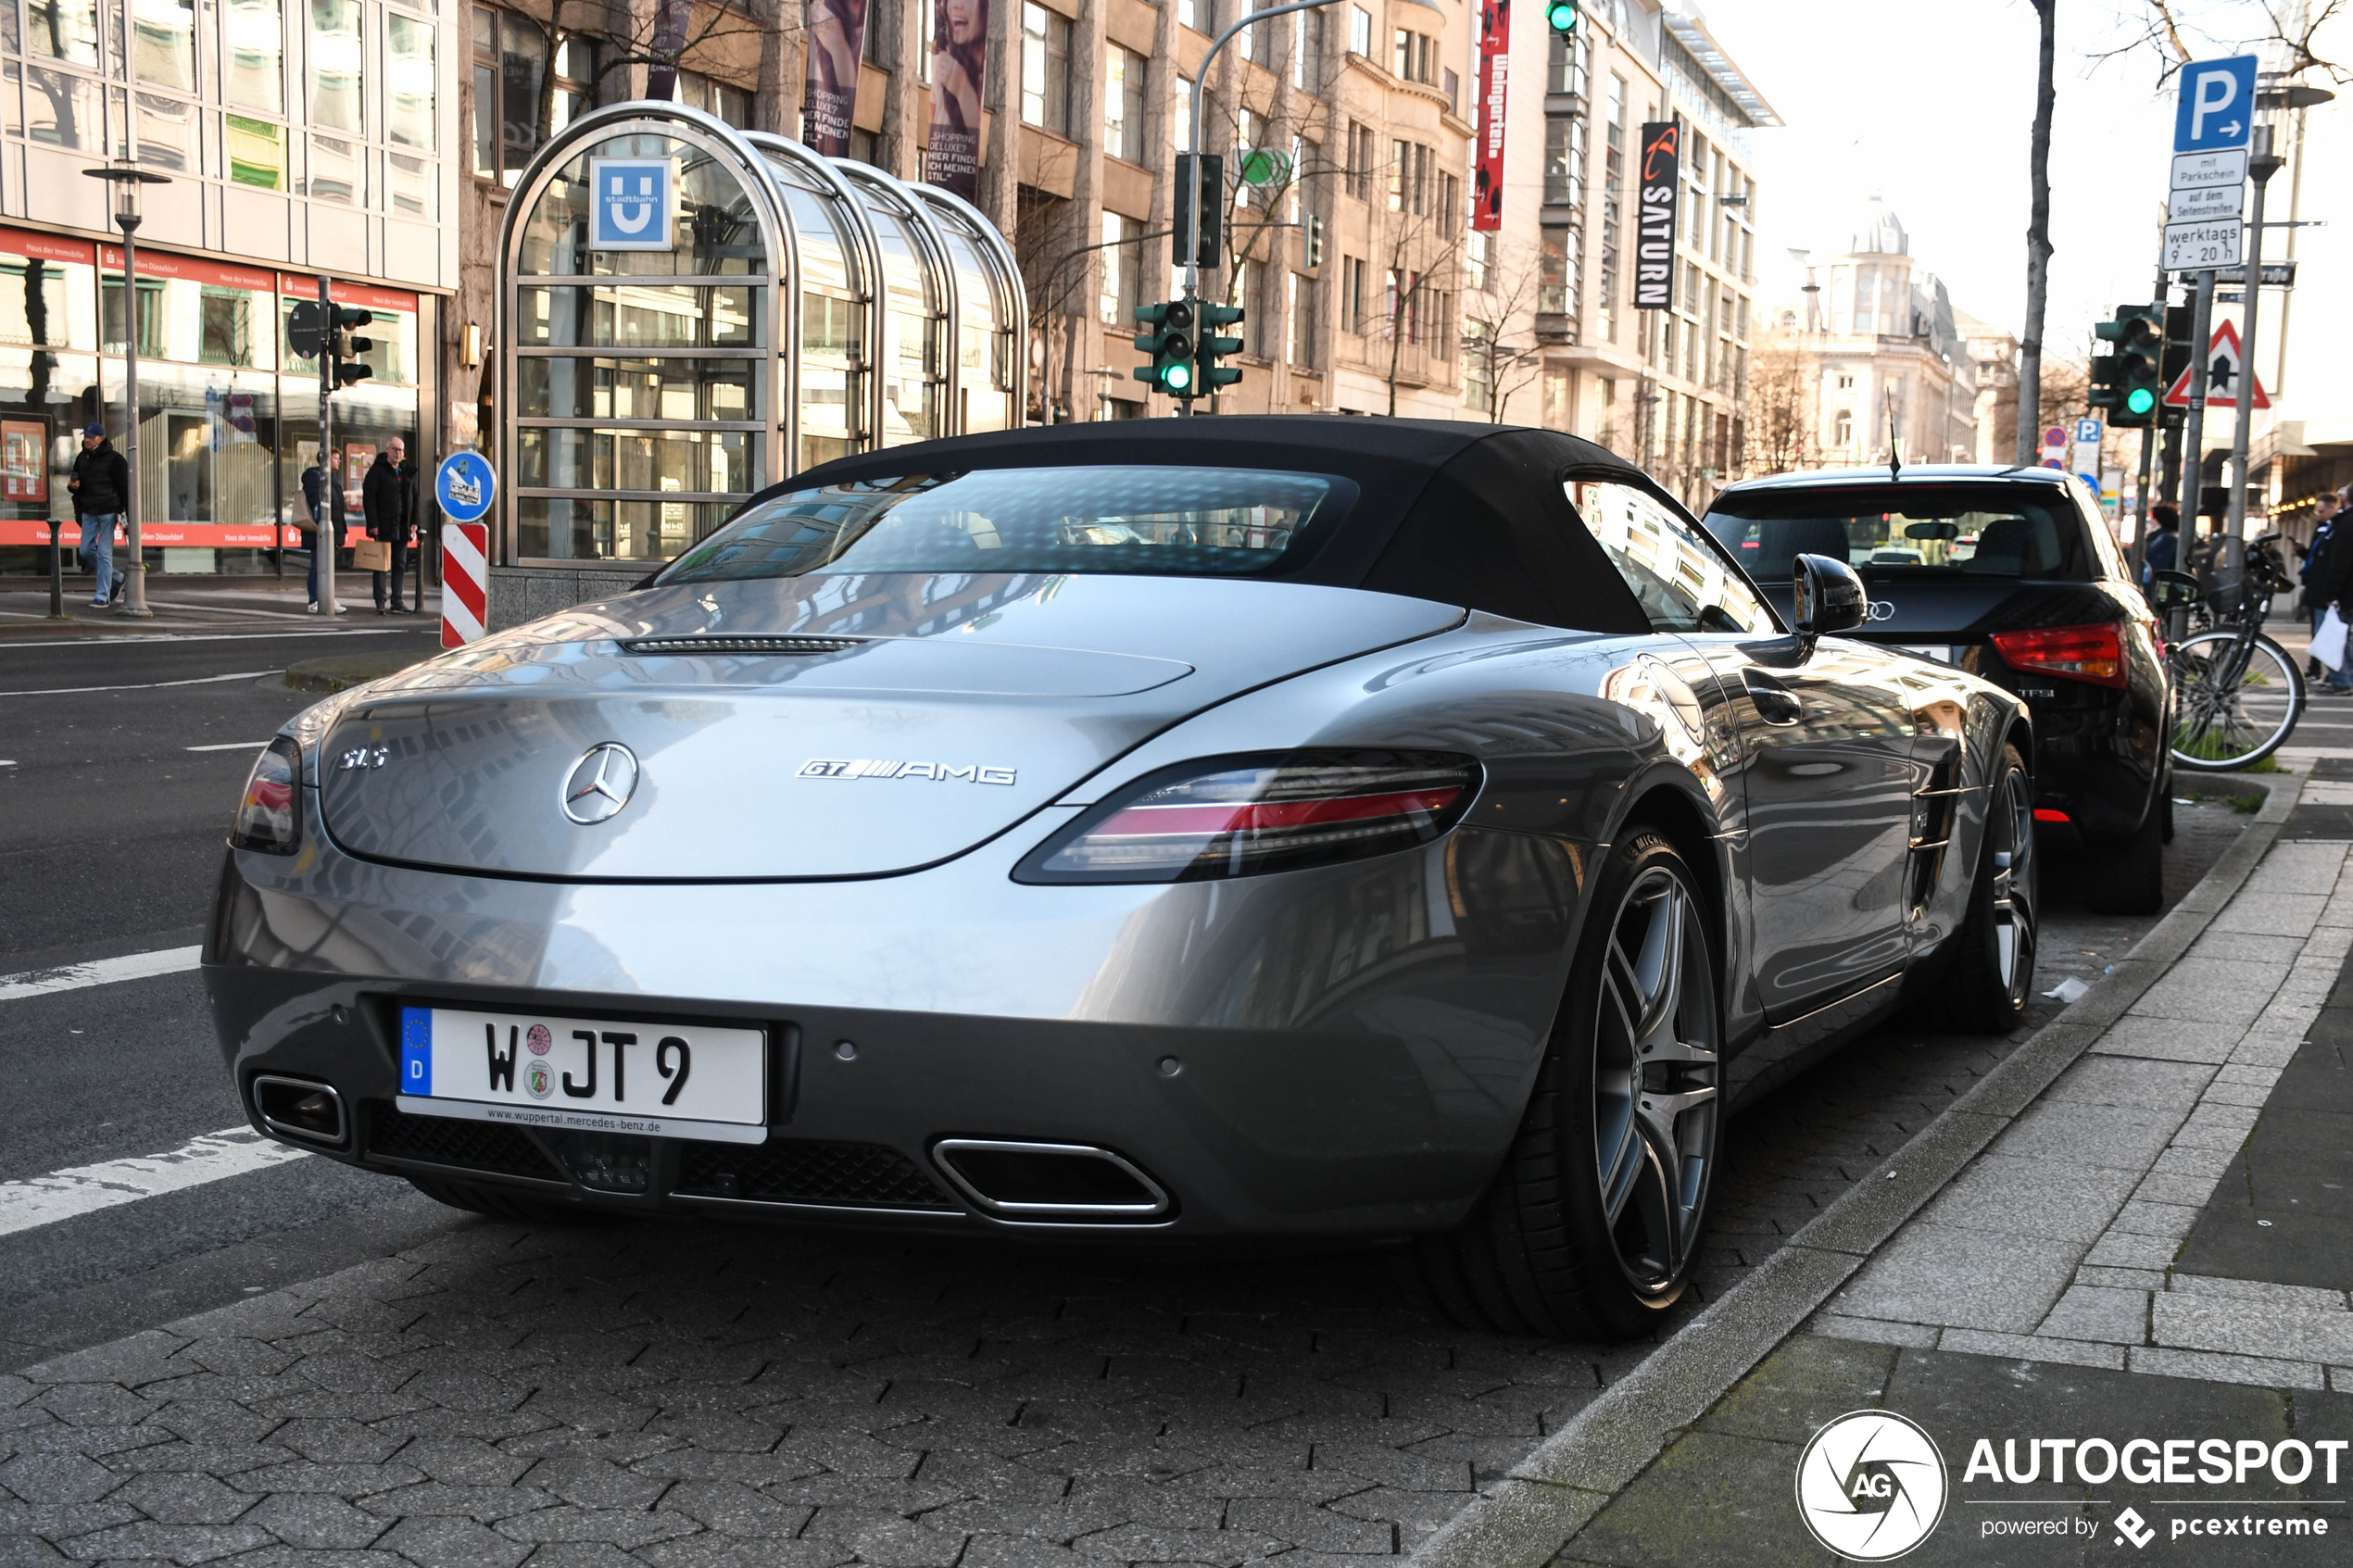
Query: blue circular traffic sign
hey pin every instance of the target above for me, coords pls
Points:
(465, 486)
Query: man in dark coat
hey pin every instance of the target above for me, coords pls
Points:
(387, 496)
(101, 486)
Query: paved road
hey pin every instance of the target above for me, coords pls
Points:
(874, 1397)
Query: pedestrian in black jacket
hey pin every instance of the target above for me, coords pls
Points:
(2328, 571)
(101, 486)
(388, 498)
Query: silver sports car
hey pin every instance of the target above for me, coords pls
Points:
(1177, 830)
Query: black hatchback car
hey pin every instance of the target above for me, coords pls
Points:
(2011, 574)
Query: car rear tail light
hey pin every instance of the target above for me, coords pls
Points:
(2093, 653)
(2050, 814)
(1241, 816)
(269, 818)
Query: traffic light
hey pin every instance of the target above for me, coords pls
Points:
(1199, 231)
(344, 349)
(2181, 321)
(1312, 244)
(1170, 342)
(1213, 376)
(2127, 383)
(1561, 16)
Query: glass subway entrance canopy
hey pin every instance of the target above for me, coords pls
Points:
(688, 312)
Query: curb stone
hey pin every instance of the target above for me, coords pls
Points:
(1550, 1496)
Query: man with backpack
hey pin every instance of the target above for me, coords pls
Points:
(101, 486)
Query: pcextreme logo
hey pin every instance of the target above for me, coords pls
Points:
(1870, 1486)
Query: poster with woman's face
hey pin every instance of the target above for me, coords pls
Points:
(836, 38)
(959, 60)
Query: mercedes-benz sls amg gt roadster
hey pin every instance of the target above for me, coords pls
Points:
(1239, 828)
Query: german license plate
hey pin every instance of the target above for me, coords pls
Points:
(590, 1074)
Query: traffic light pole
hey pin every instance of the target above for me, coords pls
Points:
(329, 530)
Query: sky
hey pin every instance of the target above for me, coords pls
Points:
(1931, 106)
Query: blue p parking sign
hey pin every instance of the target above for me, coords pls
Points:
(2217, 105)
(631, 201)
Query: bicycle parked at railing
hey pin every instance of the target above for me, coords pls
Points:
(2236, 694)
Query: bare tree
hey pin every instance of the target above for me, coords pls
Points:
(1499, 329)
(1784, 408)
(2038, 238)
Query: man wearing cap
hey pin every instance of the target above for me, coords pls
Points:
(101, 486)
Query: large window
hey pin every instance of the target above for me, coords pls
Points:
(338, 66)
(255, 77)
(1123, 103)
(163, 43)
(511, 63)
(1122, 264)
(64, 29)
(1045, 69)
(409, 82)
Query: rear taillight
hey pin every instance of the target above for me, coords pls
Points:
(2081, 653)
(1239, 815)
(269, 818)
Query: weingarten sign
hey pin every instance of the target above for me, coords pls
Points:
(1660, 182)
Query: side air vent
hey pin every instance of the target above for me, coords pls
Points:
(701, 643)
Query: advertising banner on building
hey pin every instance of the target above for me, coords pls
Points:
(1660, 174)
(1494, 94)
(959, 62)
(836, 38)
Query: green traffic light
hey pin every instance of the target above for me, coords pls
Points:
(1561, 16)
(2140, 400)
(1176, 378)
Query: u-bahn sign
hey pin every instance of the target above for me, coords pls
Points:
(631, 202)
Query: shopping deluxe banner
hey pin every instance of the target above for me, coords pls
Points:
(836, 38)
(959, 63)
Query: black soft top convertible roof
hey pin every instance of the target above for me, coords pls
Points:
(1457, 513)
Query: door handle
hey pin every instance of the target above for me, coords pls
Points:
(1776, 704)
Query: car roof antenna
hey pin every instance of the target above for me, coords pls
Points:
(1895, 458)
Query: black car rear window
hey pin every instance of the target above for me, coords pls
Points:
(1146, 520)
(1936, 529)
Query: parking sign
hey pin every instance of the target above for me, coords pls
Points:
(2217, 105)
(631, 202)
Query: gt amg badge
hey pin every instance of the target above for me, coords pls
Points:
(873, 768)
(601, 785)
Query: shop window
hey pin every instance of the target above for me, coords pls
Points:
(256, 54)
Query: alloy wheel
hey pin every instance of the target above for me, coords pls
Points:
(1657, 1073)
(2011, 824)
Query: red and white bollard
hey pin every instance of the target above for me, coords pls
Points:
(465, 581)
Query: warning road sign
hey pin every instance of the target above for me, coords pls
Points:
(2222, 376)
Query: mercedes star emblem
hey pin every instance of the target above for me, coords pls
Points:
(601, 785)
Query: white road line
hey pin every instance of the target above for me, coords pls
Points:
(61, 1194)
(98, 971)
(230, 746)
(144, 685)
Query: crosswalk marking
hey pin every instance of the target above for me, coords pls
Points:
(62, 1195)
(98, 971)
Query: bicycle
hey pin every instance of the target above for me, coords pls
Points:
(2236, 694)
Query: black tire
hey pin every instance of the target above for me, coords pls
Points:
(1992, 973)
(2126, 876)
(500, 1204)
(1546, 1252)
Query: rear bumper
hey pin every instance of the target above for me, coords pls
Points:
(1329, 1052)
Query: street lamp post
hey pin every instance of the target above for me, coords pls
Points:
(124, 182)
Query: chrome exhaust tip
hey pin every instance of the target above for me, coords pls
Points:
(1020, 1181)
(301, 1110)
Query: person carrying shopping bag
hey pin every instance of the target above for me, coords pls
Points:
(388, 498)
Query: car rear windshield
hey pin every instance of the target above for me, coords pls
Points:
(1157, 522)
(1991, 530)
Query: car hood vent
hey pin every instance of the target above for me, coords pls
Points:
(763, 644)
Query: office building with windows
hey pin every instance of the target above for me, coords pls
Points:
(300, 142)
(1551, 331)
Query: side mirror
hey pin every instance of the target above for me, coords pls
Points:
(1826, 596)
(2171, 590)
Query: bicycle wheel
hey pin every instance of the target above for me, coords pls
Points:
(2235, 700)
